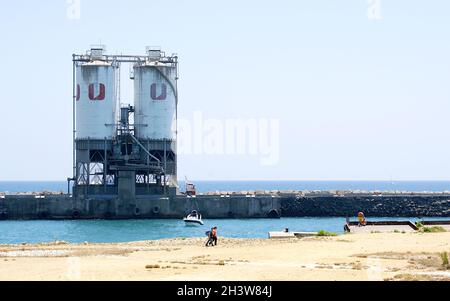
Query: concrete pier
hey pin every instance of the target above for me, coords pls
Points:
(66, 207)
(381, 226)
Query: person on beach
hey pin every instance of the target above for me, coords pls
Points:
(212, 237)
(209, 240)
(361, 219)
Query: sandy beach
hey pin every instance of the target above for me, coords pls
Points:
(365, 256)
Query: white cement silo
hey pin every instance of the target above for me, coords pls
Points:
(155, 100)
(96, 100)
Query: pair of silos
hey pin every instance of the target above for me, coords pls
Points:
(97, 103)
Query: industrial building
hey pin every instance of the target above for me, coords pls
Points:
(124, 150)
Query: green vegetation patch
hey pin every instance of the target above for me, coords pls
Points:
(434, 229)
(326, 233)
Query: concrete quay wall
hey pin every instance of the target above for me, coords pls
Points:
(65, 207)
(222, 206)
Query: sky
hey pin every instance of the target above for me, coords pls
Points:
(339, 89)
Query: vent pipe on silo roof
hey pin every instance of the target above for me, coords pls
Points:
(97, 52)
(153, 52)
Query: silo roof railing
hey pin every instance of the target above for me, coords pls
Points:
(120, 58)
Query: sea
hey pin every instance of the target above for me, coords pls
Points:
(103, 231)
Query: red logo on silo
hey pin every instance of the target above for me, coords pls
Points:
(78, 93)
(161, 96)
(101, 92)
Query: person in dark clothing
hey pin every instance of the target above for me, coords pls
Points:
(208, 234)
(212, 237)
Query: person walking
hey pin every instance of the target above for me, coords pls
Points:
(209, 240)
(212, 237)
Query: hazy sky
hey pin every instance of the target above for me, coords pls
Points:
(358, 93)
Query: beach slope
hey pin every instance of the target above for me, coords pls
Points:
(365, 256)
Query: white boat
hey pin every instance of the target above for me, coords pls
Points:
(193, 218)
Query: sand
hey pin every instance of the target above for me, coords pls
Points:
(364, 256)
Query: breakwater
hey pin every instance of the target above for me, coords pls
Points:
(227, 205)
(414, 205)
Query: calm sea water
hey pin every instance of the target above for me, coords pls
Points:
(131, 230)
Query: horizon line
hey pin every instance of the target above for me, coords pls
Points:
(277, 180)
